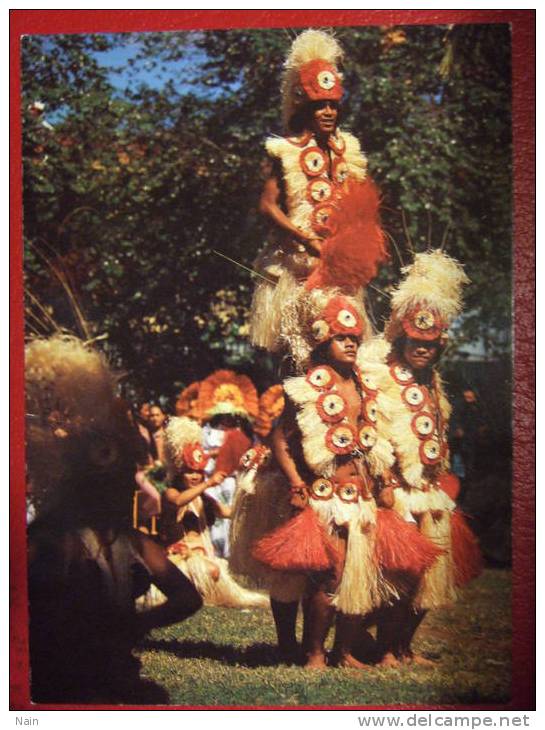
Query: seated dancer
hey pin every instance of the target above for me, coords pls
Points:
(413, 414)
(86, 565)
(327, 457)
(188, 510)
(317, 179)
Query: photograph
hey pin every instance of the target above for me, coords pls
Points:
(272, 285)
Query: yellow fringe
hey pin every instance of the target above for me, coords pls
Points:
(255, 514)
(223, 591)
(437, 588)
(360, 589)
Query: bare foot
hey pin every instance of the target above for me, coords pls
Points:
(349, 662)
(316, 661)
(389, 660)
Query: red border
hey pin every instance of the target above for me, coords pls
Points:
(103, 21)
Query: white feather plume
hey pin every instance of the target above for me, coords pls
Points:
(179, 432)
(308, 46)
(434, 280)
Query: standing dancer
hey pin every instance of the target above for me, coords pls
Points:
(317, 182)
(306, 525)
(413, 414)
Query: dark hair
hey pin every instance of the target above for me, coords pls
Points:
(320, 355)
(231, 420)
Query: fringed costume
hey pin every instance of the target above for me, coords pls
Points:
(227, 403)
(413, 414)
(329, 424)
(185, 526)
(321, 184)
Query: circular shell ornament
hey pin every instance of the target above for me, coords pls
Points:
(423, 425)
(347, 492)
(319, 191)
(430, 451)
(324, 219)
(346, 319)
(401, 374)
(341, 439)
(321, 489)
(320, 80)
(414, 396)
(424, 319)
(340, 170)
(313, 161)
(367, 437)
(321, 377)
(331, 407)
(424, 324)
(326, 80)
(194, 457)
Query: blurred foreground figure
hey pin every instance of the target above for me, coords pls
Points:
(86, 564)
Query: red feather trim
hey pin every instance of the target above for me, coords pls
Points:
(299, 544)
(350, 258)
(236, 444)
(468, 560)
(401, 547)
(450, 484)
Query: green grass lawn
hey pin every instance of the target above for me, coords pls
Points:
(227, 657)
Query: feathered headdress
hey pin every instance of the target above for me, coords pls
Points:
(70, 392)
(315, 317)
(183, 446)
(187, 400)
(428, 298)
(226, 393)
(68, 383)
(271, 405)
(311, 72)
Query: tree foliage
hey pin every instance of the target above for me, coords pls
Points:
(129, 191)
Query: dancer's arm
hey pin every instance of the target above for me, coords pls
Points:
(286, 461)
(269, 206)
(180, 499)
(183, 599)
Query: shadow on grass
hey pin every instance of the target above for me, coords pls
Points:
(255, 655)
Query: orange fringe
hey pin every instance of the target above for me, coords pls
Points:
(350, 258)
(401, 547)
(299, 544)
(466, 553)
